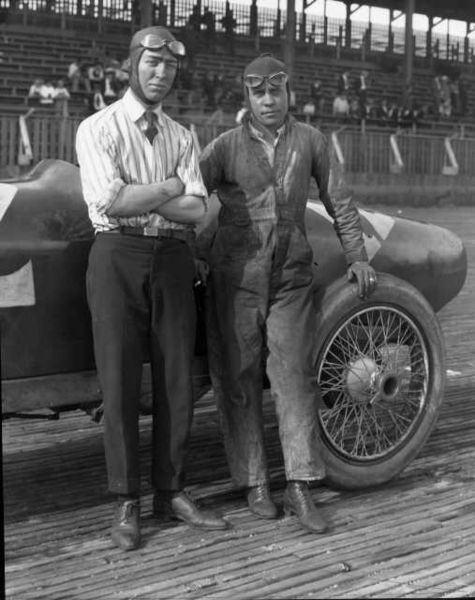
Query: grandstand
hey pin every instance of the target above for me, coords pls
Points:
(37, 41)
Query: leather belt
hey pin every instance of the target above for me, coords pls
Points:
(158, 232)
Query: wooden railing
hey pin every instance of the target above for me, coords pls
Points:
(364, 151)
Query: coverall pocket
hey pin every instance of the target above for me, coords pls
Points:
(300, 248)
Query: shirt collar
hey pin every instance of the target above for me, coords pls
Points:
(256, 132)
(136, 110)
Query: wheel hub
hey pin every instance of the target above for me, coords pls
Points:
(366, 381)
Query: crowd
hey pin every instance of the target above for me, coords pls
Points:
(352, 98)
(354, 102)
(97, 82)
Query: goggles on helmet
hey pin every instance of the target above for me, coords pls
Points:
(276, 80)
(154, 42)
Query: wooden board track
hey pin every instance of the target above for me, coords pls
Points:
(411, 538)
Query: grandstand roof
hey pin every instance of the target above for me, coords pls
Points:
(462, 10)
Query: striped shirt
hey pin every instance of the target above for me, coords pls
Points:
(113, 151)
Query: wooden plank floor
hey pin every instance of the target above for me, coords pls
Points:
(413, 537)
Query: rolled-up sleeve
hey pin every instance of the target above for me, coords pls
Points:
(188, 170)
(100, 176)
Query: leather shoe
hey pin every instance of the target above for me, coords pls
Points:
(260, 502)
(177, 505)
(125, 529)
(298, 501)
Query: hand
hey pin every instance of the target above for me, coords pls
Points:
(365, 277)
(174, 186)
(202, 272)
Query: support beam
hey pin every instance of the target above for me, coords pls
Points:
(353, 10)
(409, 53)
(393, 18)
(146, 13)
(348, 25)
(289, 48)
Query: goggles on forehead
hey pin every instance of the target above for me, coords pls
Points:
(154, 42)
(275, 80)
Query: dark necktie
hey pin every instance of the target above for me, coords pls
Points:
(151, 130)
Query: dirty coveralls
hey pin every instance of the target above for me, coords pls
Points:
(260, 294)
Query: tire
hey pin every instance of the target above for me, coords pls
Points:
(381, 370)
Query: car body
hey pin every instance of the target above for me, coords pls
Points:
(46, 342)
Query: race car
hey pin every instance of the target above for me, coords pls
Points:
(381, 360)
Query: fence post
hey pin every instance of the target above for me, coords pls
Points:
(337, 148)
(453, 167)
(396, 163)
(25, 155)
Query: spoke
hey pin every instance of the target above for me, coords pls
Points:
(330, 380)
(379, 429)
(360, 439)
(354, 341)
(394, 419)
(339, 435)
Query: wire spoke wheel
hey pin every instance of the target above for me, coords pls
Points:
(381, 371)
(373, 378)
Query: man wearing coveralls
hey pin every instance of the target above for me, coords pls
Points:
(261, 287)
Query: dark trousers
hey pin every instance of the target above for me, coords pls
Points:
(140, 293)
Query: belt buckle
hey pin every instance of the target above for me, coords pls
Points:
(150, 231)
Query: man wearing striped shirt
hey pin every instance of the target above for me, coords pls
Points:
(142, 184)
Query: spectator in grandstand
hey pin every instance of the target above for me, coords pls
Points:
(261, 292)
(34, 93)
(383, 112)
(309, 110)
(47, 94)
(96, 75)
(207, 85)
(317, 96)
(141, 180)
(463, 96)
(445, 97)
(341, 107)
(220, 86)
(96, 99)
(354, 110)
(236, 88)
(75, 75)
(111, 86)
(61, 99)
(437, 95)
(455, 96)
(217, 116)
(361, 86)
(344, 83)
(122, 75)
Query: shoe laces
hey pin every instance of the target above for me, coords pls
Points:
(261, 492)
(302, 490)
(126, 510)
